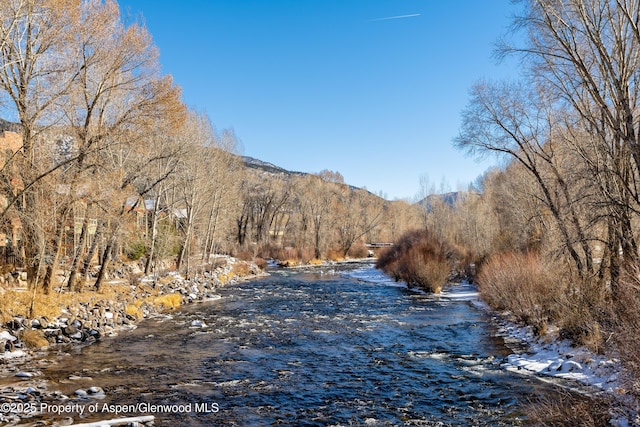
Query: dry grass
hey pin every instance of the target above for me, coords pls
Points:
(34, 339)
(290, 263)
(335, 255)
(133, 310)
(169, 301)
(166, 280)
(241, 269)
(570, 410)
(16, 303)
(288, 255)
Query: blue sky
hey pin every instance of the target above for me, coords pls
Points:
(372, 89)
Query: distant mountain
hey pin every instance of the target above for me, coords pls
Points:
(9, 126)
(450, 199)
(270, 168)
(260, 165)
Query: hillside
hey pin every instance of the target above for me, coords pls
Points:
(253, 163)
(449, 199)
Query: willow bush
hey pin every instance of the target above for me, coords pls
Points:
(420, 259)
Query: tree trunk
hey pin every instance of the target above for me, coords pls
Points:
(84, 272)
(57, 249)
(73, 270)
(154, 236)
(106, 259)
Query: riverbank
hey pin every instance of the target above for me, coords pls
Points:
(551, 359)
(87, 317)
(575, 368)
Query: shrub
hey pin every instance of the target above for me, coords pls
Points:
(261, 263)
(359, 250)
(266, 250)
(289, 256)
(135, 250)
(578, 322)
(523, 284)
(419, 259)
(335, 254)
(244, 255)
(626, 323)
(304, 254)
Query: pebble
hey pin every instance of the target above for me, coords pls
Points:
(79, 378)
(23, 374)
(96, 392)
(87, 322)
(198, 324)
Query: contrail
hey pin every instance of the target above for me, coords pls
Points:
(395, 17)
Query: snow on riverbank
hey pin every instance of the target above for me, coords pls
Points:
(576, 368)
(561, 360)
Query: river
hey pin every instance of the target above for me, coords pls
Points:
(328, 346)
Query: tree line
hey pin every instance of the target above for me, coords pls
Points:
(111, 165)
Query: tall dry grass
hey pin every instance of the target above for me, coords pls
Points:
(566, 409)
(625, 325)
(524, 284)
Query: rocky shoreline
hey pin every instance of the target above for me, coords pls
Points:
(24, 395)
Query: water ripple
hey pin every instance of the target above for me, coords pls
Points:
(306, 349)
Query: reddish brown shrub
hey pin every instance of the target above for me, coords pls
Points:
(626, 324)
(358, 250)
(523, 284)
(261, 263)
(419, 259)
(244, 255)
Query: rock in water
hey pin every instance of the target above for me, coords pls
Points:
(198, 324)
(23, 374)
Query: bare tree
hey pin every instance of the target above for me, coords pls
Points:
(587, 53)
(358, 213)
(508, 119)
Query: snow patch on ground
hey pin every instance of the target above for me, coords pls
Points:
(12, 354)
(578, 368)
(558, 358)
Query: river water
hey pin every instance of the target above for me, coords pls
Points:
(309, 348)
